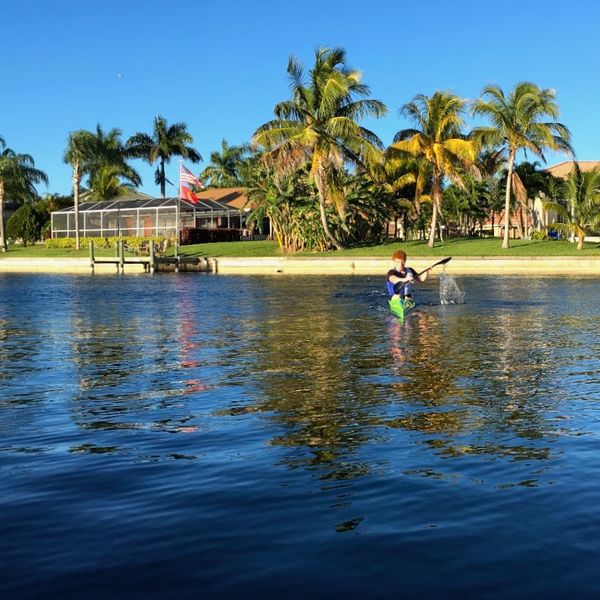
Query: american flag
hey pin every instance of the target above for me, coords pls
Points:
(187, 180)
(186, 176)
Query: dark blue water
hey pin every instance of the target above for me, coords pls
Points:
(208, 436)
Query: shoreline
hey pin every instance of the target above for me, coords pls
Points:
(462, 265)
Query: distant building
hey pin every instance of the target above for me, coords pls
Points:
(536, 218)
(563, 169)
(543, 218)
(140, 215)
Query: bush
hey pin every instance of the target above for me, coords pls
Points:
(197, 235)
(47, 230)
(24, 225)
(100, 242)
(539, 236)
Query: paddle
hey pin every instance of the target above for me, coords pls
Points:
(440, 262)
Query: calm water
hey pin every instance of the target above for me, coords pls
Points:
(211, 436)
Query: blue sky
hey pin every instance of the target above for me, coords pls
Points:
(220, 66)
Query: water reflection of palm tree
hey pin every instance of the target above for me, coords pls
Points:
(433, 362)
(123, 367)
(308, 373)
(418, 348)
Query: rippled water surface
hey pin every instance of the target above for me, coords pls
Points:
(212, 436)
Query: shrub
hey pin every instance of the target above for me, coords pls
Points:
(24, 225)
(100, 242)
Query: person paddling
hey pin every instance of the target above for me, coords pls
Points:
(400, 278)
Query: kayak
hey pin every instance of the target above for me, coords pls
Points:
(401, 307)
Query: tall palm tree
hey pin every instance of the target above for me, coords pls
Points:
(319, 126)
(225, 166)
(438, 139)
(518, 123)
(582, 193)
(165, 142)
(89, 153)
(79, 154)
(18, 177)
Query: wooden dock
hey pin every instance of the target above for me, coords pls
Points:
(151, 263)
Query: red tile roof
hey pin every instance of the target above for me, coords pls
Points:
(563, 169)
(235, 197)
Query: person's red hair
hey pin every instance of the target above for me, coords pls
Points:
(399, 254)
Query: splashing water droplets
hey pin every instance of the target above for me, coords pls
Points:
(450, 293)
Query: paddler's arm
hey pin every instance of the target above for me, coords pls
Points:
(424, 275)
(394, 279)
(400, 282)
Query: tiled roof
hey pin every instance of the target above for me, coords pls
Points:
(235, 197)
(563, 169)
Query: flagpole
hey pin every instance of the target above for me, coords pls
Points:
(178, 213)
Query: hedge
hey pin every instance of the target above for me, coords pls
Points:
(101, 242)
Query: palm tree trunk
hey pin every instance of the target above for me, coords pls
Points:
(519, 218)
(511, 162)
(76, 202)
(433, 226)
(3, 244)
(163, 182)
(435, 193)
(322, 208)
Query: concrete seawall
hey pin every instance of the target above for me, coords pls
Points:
(377, 266)
(564, 265)
(59, 265)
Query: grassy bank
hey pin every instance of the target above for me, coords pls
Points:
(452, 247)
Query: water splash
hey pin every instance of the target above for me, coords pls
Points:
(450, 293)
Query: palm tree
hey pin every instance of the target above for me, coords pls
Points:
(89, 153)
(403, 179)
(438, 140)
(18, 177)
(318, 125)
(79, 154)
(582, 193)
(517, 124)
(225, 168)
(165, 142)
(107, 150)
(106, 183)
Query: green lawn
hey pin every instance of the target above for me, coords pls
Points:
(452, 247)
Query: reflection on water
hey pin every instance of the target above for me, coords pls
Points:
(202, 403)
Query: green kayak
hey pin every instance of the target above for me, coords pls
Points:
(400, 307)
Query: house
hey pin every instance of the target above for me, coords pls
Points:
(541, 217)
(140, 215)
(563, 169)
(535, 217)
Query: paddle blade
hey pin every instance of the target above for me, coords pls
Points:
(442, 262)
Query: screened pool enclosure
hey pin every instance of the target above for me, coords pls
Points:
(145, 217)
